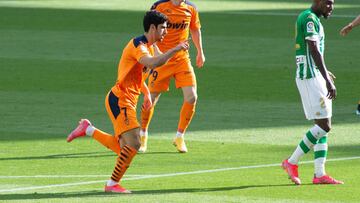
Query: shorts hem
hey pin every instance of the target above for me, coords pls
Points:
(315, 118)
(127, 130)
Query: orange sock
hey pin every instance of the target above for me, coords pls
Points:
(109, 141)
(146, 117)
(186, 114)
(123, 162)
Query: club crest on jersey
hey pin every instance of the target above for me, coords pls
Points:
(310, 27)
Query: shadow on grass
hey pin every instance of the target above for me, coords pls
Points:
(138, 192)
(215, 189)
(62, 156)
(154, 153)
(78, 155)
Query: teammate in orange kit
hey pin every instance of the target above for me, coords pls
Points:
(183, 17)
(347, 28)
(344, 31)
(138, 55)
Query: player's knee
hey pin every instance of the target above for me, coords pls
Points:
(155, 98)
(325, 126)
(135, 144)
(131, 138)
(191, 98)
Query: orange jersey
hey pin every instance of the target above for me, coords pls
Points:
(129, 80)
(181, 19)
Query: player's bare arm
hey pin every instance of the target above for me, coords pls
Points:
(197, 39)
(147, 97)
(320, 63)
(345, 30)
(156, 61)
(332, 76)
(157, 51)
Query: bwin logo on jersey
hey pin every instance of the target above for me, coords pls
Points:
(181, 25)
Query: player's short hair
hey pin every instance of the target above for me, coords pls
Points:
(153, 18)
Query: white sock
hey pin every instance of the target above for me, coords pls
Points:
(319, 164)
(320, 152)
(179, 134)
(307, 143)
(90, 130)
(295, 157)
(143, 133)
(111, 183)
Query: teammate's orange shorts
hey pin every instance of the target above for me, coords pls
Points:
(122, 118)
(181, 70)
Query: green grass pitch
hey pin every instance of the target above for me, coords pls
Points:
(59, 58)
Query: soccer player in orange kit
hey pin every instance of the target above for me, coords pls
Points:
(183, 17)
(139, 54)
(344, 31)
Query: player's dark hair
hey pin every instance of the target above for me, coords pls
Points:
(153, 18)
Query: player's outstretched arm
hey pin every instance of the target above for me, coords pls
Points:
(156, 61)
(197, 39)
(345, 30)
(157, 51)
(320, 63)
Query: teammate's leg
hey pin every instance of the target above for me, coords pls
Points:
(146, 117)
(186, 114)
(358, 109)
(159, 81)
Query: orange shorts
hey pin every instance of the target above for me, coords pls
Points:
(182, 71)
(122, 118)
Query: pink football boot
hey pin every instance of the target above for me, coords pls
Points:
(326, 179)
(292, 171)
(79, 131)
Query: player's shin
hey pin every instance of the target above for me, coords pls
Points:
(122, 163)
(320, 153)
(308, 141)
(146, 117)
(186, 114)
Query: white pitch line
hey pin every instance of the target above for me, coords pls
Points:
(266, 13)
(167, 175)
(51, 186)
(231, 169)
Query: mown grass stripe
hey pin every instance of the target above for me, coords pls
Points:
(163, 175)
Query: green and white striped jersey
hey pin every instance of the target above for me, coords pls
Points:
(308, 27)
